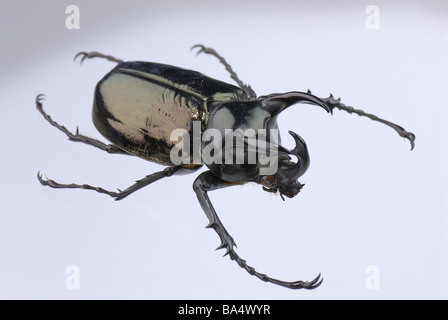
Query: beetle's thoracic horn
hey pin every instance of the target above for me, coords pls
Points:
(276, 103)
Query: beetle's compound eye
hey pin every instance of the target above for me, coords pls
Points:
(269, 183)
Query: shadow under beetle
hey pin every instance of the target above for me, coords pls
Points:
(138, 104)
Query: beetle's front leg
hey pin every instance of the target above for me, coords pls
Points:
(110, 148)
(333, 103)
(207, 181)
(94, 54)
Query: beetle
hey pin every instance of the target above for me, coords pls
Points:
(138, 105)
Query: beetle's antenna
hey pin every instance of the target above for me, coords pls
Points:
(251, 93)
(335, 103)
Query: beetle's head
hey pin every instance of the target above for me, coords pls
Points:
(291, 163)
(285, 180)
(254, 123)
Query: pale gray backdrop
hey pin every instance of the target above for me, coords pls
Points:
(368, 200)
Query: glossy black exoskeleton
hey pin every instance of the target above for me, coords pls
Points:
(138, 106)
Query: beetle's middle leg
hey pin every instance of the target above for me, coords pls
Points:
(139, 184)
(249, 91)
(207, 181)
(110, 148)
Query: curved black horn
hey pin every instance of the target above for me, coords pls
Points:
(303, 157)
(276, 103)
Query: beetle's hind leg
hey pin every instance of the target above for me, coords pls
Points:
(167, 172)
(251, 93)
(93, 54)
(207, 181)
(110, 148)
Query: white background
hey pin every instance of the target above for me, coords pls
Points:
(368, 200)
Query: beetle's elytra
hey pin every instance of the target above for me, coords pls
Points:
(138, 105)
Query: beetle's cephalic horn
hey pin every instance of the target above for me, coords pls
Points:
(294, 171)
(301, 152)
(276, 103)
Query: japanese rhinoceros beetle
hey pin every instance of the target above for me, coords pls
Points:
(138, 105)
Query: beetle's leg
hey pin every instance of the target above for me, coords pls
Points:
(169, 171)
(110, 148)
(207, 181)
(251, 93)
(335, 103)
(94, 54)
